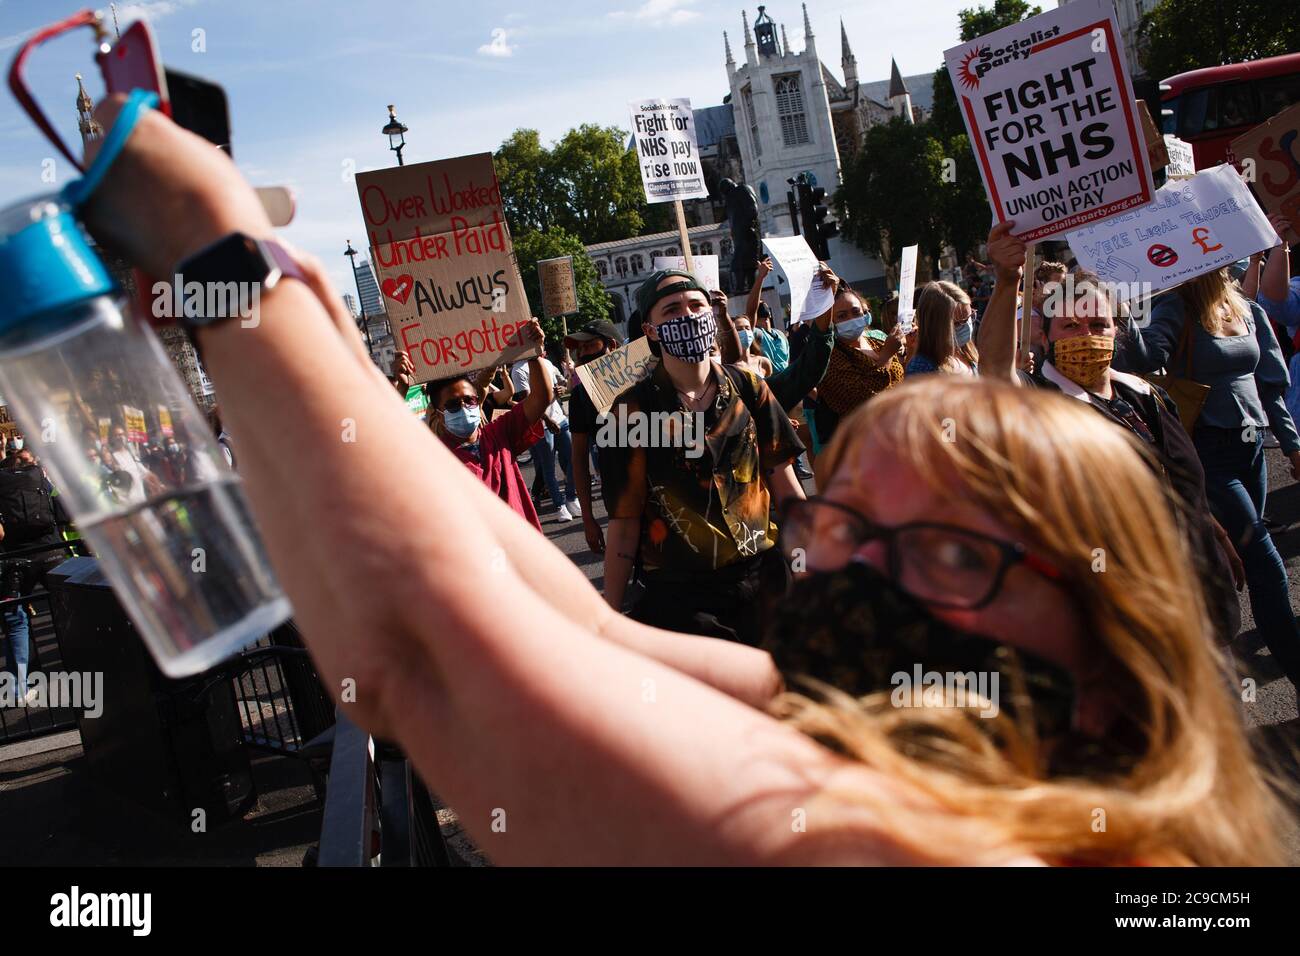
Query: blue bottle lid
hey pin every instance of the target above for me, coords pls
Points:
(45, 262)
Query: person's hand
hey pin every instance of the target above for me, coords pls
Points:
(532, 333)
(896, 341)
(1282, 226)
(168, 194)
(764, 268)
(911, 340)
(403, 371)
(1026, 362)
(719, 303)
(594, 535)
(1235, 564)
(1006, 251)
(826, 275)
(1294, 458)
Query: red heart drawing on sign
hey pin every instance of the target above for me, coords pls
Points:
(399, 288)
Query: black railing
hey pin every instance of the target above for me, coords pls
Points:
(377, 810)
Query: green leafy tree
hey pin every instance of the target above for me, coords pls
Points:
(593, 301)
(966, 213)
(1180, 35)
(892, 195)
(587, 183)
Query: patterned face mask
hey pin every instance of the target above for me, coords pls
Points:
(1083, 359)
(688, 337)
(858, 631)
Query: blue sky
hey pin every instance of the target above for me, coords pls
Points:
(308, 81)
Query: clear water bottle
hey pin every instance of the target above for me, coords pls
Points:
(132, 457)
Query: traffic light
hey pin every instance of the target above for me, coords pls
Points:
(812, 218)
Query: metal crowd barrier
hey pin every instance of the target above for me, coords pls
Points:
(377, 810)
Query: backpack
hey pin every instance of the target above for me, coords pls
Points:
(26, 509)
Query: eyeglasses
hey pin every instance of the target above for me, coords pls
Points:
(943, 565)
(456, 404)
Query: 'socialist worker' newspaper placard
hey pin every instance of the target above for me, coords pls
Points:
(445, 264)
(1048, 106)
(664, 131)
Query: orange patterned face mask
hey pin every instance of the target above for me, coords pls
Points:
(1083, 359)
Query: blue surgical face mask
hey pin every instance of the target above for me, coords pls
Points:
(746, 337)
(851, 329)
(461, 423)
(962, 332)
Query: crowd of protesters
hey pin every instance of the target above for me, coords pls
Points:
(1049, 523)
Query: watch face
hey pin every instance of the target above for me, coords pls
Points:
(236, 258)
(231, 274)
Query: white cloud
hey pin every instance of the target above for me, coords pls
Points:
(499, 45)
(659, 13)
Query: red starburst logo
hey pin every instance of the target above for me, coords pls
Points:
(968, 78)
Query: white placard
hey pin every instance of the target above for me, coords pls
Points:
(907, 288)
(796, 261)
(1049, 109)
(1182, 163)
(1193, 226)
(664, 131)
(706, 268)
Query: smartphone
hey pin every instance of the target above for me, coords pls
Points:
(199, 106)
(132, 63)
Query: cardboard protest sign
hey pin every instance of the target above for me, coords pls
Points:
(664, 131)
(1193, 226)
(105, 426)
(907, 288)
(445, 265)
(1049, 109)
(1273, 151)
(706, 268)
(795, 259)
(1182, 162)
(165, 421)
(559, 288)
(1157, 152)
(609, 376)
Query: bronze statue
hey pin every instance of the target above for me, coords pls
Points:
(746, 235)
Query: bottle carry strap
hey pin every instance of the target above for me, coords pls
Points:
(79, 191)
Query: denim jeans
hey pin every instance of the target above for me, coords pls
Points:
(1236, 483)
(15, 626)
(553, 448)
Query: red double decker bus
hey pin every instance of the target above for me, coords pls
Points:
(1212, 107)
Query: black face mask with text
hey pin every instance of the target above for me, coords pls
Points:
(859, 632)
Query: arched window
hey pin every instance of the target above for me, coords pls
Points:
(620, 266)
(726, 247)
(638, 264)
(695, 250)
(655, 254)
(672, 251)
(602, 269)
(706, 248)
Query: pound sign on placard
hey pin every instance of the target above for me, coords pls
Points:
(1201, 236)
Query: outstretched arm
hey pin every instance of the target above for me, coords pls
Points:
(997, 332)
(756, 290)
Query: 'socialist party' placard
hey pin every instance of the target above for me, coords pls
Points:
(445, 265)
(1049, 109)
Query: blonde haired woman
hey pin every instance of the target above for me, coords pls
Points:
(1207, 326)
(944, 332)
(515, 689)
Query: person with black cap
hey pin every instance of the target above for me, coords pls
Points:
(696, 516)
(590, 342)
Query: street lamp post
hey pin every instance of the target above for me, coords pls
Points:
(395, 132)
(361, 303)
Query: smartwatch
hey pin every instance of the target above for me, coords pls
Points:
(234, 260)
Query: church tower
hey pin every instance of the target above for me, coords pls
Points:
(90, 129)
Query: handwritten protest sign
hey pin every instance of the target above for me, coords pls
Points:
(559, 289)
(706, 268)
(1048, 106)
(609, 376)
(1191, 227)
(664, 131)
(1273, 149)
(1157, 152)
(165, 421)
(907, 288)
(797, 263)
(1182, 163)
(445, 265)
